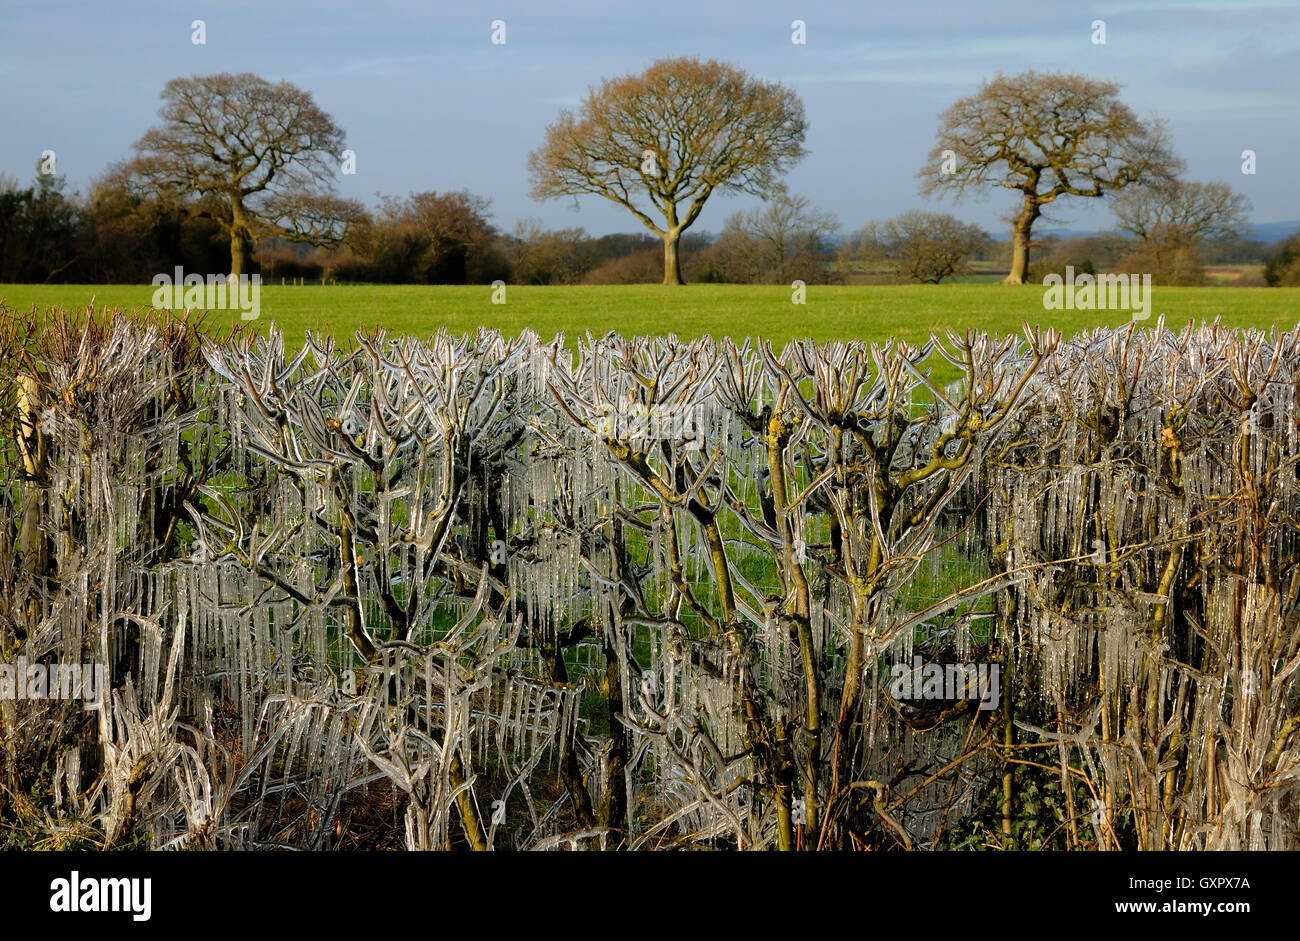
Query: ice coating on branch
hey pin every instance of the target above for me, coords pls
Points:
(492, 575)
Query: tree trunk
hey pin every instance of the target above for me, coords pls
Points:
(612, 811)
(672, 265)
(241, 243)
(1020, 241)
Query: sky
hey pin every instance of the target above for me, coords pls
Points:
(428, 102)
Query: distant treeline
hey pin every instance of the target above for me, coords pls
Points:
(117, 233)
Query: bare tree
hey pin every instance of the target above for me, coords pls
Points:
(673, 135)
(1044, 135)
(259, 157)
(786, 239)
(921, 246)
(1183, 211)
(1174, 220)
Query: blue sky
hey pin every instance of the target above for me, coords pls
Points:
(428, 102)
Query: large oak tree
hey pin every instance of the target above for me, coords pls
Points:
(662, 142)
(260, 158)
(1044, 136)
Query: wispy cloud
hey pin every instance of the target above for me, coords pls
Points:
(430, 103)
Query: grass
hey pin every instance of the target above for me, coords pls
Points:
(909, 312)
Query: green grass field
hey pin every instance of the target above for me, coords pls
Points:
(831, 313)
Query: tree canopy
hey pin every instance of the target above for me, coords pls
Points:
(1045, 136)
(662, 142)
(1183, 211)
(260, 158)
